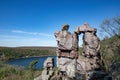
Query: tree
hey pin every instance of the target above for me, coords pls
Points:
(110, 47)
(112, 26)
(32, 67)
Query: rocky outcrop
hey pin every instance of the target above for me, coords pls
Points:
(91, 46)
(67, 52)
(88, 62)
(114, 73)
(47, 71)
(69, 63)
(91, 43)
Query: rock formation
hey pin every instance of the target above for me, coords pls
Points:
(47, 71)
(67, 52)
(114, 73)
(72, 66)
(91, 45)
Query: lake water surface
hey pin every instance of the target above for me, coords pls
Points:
(26, 61)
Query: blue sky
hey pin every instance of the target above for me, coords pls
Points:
(33, 22)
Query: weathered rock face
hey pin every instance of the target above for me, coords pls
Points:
(47, 71)
(83, 64)
(91, 43)
(66, 42)
(68, 61)
(67, 52)
(72, 67)
(67, 65)
(48, 64)
(115, 70)
(91, 46)
(88, 62)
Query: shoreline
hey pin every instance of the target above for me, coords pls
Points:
(31, 57)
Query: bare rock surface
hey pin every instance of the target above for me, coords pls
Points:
(47, 71)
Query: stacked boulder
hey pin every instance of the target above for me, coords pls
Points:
(47, 71)
(91, 45)
(72, 66)
(67, 52)
(89, 62)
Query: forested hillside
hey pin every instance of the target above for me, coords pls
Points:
(7, 53)
(110, 45)
(110, 51)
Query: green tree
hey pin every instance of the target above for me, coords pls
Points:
(32, 67)
(110, 46)
(32, 64)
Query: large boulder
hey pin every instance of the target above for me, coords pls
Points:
(115, 70)
(47, 71)
(67, 65)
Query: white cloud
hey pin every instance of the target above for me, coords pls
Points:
(32, 33)
(8, 36)
(13, 41)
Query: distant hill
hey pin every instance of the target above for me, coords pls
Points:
(26, 51)
(33, 47)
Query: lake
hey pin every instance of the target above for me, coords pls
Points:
(26, 61)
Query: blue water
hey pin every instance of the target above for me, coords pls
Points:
(24, 62)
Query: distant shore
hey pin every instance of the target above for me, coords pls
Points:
(9, 53)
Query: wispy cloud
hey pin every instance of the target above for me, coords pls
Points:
(12, 41)
(31, 33)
